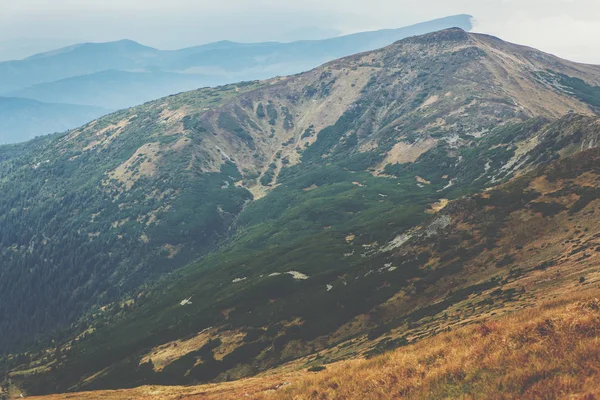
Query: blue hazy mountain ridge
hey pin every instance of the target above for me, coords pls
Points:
(224, 61)
(122, 74)
(81, 59)
(105, 88)
(24, 119)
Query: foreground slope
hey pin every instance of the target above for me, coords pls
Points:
(534, 353)
(547, 352)
(297, 192)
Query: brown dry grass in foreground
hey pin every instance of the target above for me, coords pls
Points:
(547, 352)
(551, 351)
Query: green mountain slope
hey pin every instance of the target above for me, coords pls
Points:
(309, 270)
(341, 163)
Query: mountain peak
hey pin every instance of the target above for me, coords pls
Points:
(122, 45)
(446, 35)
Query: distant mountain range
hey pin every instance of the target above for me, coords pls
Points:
(114, 89)
(121, 74)
(24, 119)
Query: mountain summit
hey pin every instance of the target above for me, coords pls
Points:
(125, 47)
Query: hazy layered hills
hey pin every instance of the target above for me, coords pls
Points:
(221, 232)
(119, 89)
(23, 119)
(125, 73)
(223, 57)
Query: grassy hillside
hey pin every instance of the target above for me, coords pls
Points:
(82, 220)
(334, 269)
(223, 232)
(545, 352)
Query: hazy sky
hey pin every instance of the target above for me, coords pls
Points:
(568, 28)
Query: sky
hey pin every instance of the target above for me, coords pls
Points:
(567, 28)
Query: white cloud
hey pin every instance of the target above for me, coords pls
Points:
(563, 35)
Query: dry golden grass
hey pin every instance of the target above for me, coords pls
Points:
(551, 351)
(242, 389)
(547, 352)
